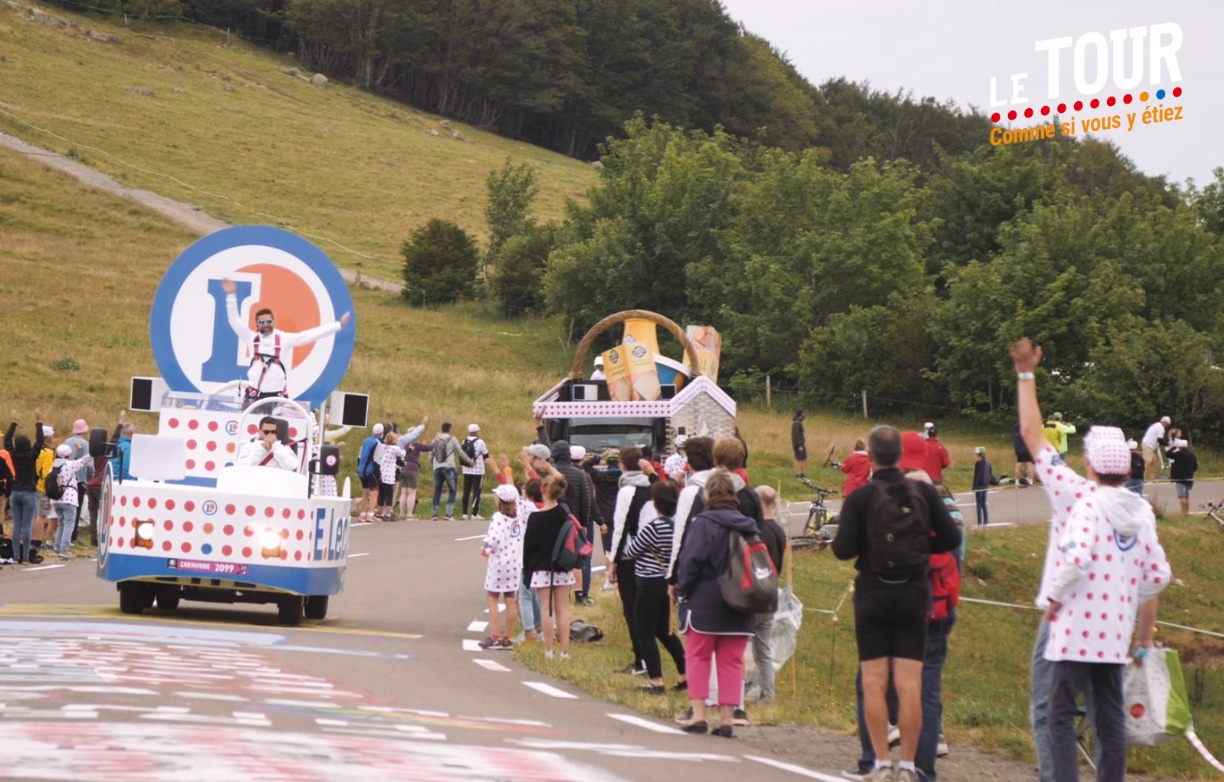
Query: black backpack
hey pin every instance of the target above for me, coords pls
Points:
(53, 485)
(898, 529)
(469, 448)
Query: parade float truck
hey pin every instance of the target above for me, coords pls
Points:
(190, 523)
(645, 398)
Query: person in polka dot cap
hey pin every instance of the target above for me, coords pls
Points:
(1104, 565)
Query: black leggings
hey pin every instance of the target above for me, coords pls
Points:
(626, 586)
(386, 493)
(471, 485)
(653, 615)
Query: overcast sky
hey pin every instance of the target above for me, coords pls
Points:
(949, 49)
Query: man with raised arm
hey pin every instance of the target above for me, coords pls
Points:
(1072, 497)
(270, 349)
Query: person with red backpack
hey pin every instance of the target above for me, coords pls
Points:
(892, 526)
(945, 585)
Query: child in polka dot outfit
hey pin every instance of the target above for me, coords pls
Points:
(1103, 566)
(503, 547)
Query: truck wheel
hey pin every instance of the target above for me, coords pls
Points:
(168, 597)
(290, 610)
(316, 607)
(132, 597)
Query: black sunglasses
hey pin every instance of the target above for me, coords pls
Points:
(268, 431)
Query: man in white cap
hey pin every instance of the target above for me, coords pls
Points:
(368, 471)
(674, 464)
(1065, 488)
(1111, 566)
(473, 474)
(1153, 438)
(598, 373)
(1182, 466)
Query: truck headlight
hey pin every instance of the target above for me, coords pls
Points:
(144, 533)
(270, 543)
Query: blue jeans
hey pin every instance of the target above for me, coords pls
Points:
(529, 606)
(983, 516)
(1135, 485)
(67, 514)
(444, 475)
(586, 561)
(24, 505)
(932, 704)
(1039, 705)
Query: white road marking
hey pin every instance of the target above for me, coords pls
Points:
(469, 537)
(477, 626)
(598, 569)
(645, 723)
(42, 567)
(800, 770)
(363, 554)
(491, 665)
(362, 524)
(325, 723)
(471, 646)
(500, 608)
(386, 734)
(550, 690)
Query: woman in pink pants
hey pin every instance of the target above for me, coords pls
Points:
(712, 628)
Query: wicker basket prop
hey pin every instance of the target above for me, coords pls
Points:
(576, 371)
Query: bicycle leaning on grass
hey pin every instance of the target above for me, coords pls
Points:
(821, 525)
(1215, 512)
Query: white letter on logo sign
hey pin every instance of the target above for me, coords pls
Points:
(1053, 46)
(1082, 85)
(1160, 52)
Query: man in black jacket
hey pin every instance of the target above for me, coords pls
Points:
(890, 605)
(1181, 470)
(579, 496)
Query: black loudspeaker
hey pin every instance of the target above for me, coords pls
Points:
(329, 459)
(97, 442)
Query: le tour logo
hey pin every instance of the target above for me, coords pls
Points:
(1125, 66)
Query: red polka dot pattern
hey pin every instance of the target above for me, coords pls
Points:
(1045, 111)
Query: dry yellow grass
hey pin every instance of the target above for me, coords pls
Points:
(255, 144)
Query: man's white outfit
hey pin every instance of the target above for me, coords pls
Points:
(271, 354)
(281, 455)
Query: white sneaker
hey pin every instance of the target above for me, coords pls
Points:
(905, 775)
(941, 749)
(608, 586)
(883, 774)
(465, 517)
(894, 735)
(548, 655)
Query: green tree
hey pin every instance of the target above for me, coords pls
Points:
(511, 192)
(440, 262)
(518, 276)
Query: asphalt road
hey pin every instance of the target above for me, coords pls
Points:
(387, 687)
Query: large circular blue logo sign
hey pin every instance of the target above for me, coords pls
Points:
(197, 342)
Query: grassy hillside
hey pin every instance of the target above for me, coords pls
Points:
(227, 128)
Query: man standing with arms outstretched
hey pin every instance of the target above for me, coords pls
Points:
(268, 347)
(1065, 488)
(892, 525)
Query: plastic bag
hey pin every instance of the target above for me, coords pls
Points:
(782, 638)
(1154, 694)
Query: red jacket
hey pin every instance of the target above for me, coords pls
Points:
(857, 468)
(937, 458)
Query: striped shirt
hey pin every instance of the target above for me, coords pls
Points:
(651, 548)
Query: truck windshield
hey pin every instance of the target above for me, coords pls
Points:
(598, 434)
